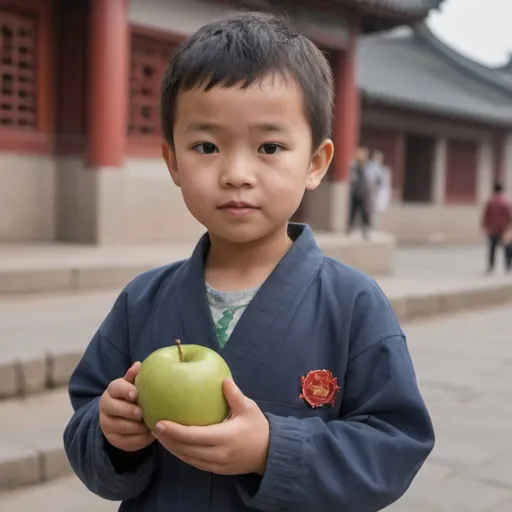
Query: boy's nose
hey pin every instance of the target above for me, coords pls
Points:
(237, 174)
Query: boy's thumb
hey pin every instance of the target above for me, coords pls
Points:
(132, 372)
(237, 401)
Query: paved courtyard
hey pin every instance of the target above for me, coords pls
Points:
(464, 365)
(444, 260)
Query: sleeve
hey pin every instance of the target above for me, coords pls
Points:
(106, 471)
(363, 461)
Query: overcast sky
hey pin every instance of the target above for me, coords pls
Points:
(480, 29)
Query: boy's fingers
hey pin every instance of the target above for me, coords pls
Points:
(203, 436)
(122, 390)
(122, 409)
(132, 372)
(132, 442)
(124, 426)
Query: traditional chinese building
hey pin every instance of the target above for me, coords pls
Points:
(79, 128)
(445, 125)
(506, 69)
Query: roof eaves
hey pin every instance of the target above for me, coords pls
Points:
(442, 110)
(505, 68)
(410, 8)
(488, 76)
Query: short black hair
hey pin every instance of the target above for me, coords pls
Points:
(245, 47)
(498, 188)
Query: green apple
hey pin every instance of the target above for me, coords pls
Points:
(183, 384)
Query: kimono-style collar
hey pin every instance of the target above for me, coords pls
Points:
(292, 273)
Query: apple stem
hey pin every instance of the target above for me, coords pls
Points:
(178, 343)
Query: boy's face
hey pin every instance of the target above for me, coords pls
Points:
(243, 157)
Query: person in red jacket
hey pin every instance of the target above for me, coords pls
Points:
(496, 219)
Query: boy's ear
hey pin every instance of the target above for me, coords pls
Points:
(320, 164)
(169, 156)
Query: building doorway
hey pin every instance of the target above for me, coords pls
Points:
(419, 160)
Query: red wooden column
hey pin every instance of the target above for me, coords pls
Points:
(347, 105)
(108, 83)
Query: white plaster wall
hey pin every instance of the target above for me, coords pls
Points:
(485, 171)
(27, 197)
(507, 171)
(76, 203)
(439, 174)
(137, 203)
(419, 224)
(154, 207)
(90, 203)
(179, 16)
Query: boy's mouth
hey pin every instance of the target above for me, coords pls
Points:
(238, 207)
(237, 204)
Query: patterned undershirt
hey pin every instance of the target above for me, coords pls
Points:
(226, 309)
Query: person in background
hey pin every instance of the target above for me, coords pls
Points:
(360, 191)
(507, 244)
(496, 219)
(379, 177)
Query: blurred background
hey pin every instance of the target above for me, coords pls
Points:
(417, 197)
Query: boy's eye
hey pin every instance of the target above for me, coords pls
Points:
(270, 149)
(206, 148)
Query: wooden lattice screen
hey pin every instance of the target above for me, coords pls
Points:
(149, 58)
(18, 69)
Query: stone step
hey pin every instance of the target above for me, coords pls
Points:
(31, 445)
(66, 494)
(45, 336)
(50, 268)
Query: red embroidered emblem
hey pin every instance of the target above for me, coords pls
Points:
(319, 387)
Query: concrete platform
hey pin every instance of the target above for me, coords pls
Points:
(45, 268)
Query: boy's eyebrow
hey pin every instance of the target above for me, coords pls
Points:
(271, 127)
(264, 127)
(203, 127)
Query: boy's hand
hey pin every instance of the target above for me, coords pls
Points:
(237, 446)
(120, 417)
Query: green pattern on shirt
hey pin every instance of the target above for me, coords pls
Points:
(222, 326)
(226, 309)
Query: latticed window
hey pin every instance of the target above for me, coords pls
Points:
(149, 58)
(18, 69)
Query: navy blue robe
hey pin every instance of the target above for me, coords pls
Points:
(313, 313)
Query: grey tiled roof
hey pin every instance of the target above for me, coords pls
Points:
(417, 71)
(506, 70)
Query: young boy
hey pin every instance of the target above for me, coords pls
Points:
(325, 413)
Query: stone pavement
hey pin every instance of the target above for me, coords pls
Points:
(464, 366)
(65, 495)
(434, 261)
